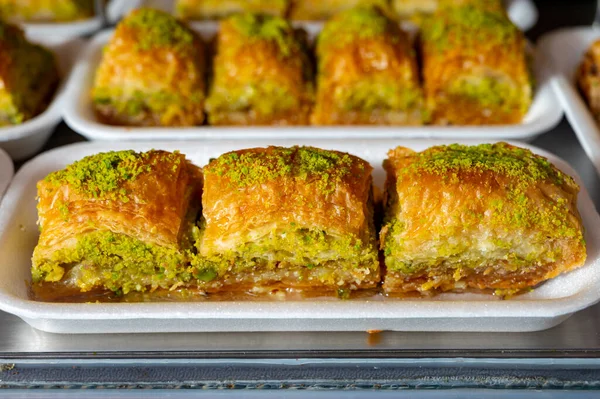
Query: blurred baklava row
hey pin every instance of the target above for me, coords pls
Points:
(316, 10)
(493, 218)
(17, 11)
(473, 71)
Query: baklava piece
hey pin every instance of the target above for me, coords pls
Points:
(217, 9)
(367, 72)
(320, 10)
(28, 76)
(475, 67)
(262, 74)
(117, 222)
(296, 218)
(152, 73)
(491, 217)
(588, 78)
(46, 10)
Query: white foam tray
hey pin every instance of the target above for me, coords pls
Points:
(544, 114)
(67, 29)
(565, 49)
(545, 307)
(6, 171)
(523, 13)
(24, 140)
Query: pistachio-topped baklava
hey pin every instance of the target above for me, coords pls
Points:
(491, 217)
(262, 74)
(217, 9)
(290, 218)
(118, 221)
(28, 76)
(475, 67)
(46, 10)
(367, 72)
(152, 73)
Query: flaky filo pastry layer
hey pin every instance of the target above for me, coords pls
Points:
(120, 221)
(296, 217)
(487, 217)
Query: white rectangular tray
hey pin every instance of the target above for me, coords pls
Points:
(24, 140)
(523, 13)
(546, 306)
(6, 171)
(544, 114)
(564, 49)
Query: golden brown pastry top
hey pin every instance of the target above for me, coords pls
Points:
(299, 187)
(143, 195)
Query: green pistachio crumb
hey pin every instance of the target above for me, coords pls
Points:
(266, 27)
(158, 29)
(102, 175)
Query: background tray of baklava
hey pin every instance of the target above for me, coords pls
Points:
(565, 49)
(544, 307)
(544, 113)
(6, 171)
(522, 12)
(69, 18)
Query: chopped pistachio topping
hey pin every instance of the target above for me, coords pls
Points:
(467, 25)
(266, 27)
(250, 168)
(102, 175)
(361, 22)
(158, 29)
(520, 164)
